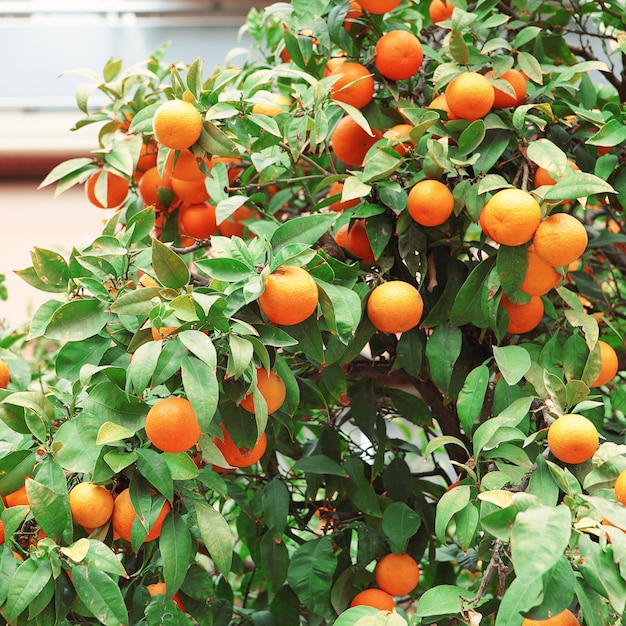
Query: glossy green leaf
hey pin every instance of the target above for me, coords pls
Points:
(400, 523)
(51, 510)
(303, 229)
(442, 350)
(99, 592)
(452, 501)
(216, 535)
(513, 362)
(175, 545)
(77, 447)
(154, 468)
(77, 320)
(310, 574)
(472, 397)
(441, 601)
(171, 271)
(27, 583)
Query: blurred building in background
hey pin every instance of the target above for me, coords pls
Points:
(43, 42)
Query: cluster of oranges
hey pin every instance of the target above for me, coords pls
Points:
(396, 575)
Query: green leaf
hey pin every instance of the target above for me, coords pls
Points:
(76, 444)
(142, 366)
(171, 271)
(274, 560)
(302, 229)
(600, 571)
(520, 596)
(51, 268)
(381, 165)
(441, 601)
(175, 546)
(100, 556)
(136, 301)
(13, 467)
(202, 389)
(341, 308)
(442, 350)
(467, 305)
(51, 510)
(230, 270)
(613, 133)
(542, 484)
(318, 464)
(578, 185)
(530, 66)
(74, 354)
(359, 490)
(216, 535)
(472, 397)
(310, 574)
(513, 362)
(100, 595)
(471, 137)
(511, 264)
(275, 499)
(181, 465)
(77, 320)
(154, 468)
(28, 582)
(400, 523)
(546, 526)
(450, 502)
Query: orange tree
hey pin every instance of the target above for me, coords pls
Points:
(259, 412)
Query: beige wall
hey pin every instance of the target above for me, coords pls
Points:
(35, 218)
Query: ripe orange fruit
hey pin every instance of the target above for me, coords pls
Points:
(354, 86)
(5, 374)
(147, 156)
(564, 618)
(560, 239)
(540, 277)
(430, 203)
(395, 306)
(353, 237)
(440, 10)
(156, 589)
(398, 55)
(116, 190)
(573, 438)
(353, 15)
(234, 226)
(289, 297)
(523, 317)
(150, 183)
(276, 104)
(197, 220)
(620, 488)
(162, 331)
(2, 537)
(377, 598)
(177, 124)
(610, 365)
(240, 457)
(172, 425)
(190, 191)
(272, 388)
(378, 7)
(470, 96)
(17, 498)
(350, 142)
(517, 80)
(332, 64)
(338, 205)
(543, 177)
(402, 137)
(397, 574)
(124, 515)
(511, 217)
(91, 505)
(441, 104)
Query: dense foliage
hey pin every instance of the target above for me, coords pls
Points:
(431, 441)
